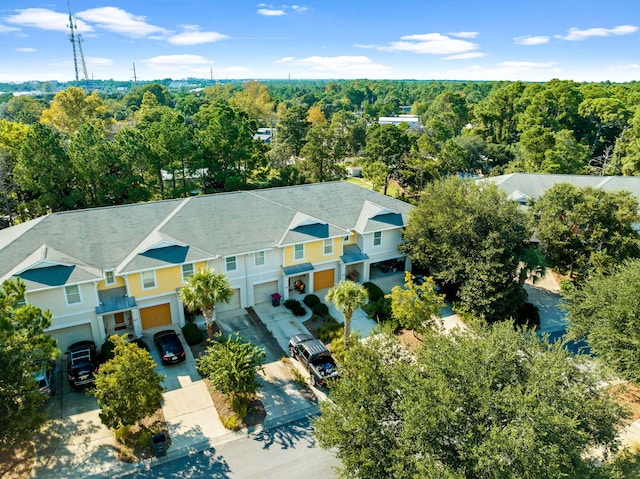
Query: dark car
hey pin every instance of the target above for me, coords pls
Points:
(169, 347)
(43, 375)
(82, 363)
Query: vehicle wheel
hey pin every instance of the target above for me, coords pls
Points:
(313, 380)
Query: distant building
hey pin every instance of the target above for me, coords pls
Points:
(265, 135)
(411, 120)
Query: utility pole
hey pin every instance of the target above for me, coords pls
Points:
(76, 41)
(135, 78)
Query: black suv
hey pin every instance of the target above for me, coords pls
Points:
(82, 363)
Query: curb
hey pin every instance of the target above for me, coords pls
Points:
(200, 446)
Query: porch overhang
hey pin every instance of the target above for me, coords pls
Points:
(353, 254)
(114, 304)
(297, 269)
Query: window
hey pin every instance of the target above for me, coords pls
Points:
(148, 279)
(377, 238)
(73, 294)
(328, 247)
(258, 258)
(298, 252)
(346, 238)
(232, 263)
(187, 270)
(109, 277)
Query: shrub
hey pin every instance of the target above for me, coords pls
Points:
(375, 293)
(329, 331)
(233, 422)
(106, 352)
(320, 309)
(240, 405)
(298, 310)
(380, 310)
(291, 304)
(192, 334)
(311, 300)
(528, 315)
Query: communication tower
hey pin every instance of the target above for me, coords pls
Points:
(76, 41)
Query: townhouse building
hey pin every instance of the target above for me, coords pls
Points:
(119, 269)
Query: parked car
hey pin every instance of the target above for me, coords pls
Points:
(315, 357)
(169, 347)
(43, 375)
(82, 363)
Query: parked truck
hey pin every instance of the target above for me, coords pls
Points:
(315, 357)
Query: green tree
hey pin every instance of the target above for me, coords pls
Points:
(71, 108)
(605, 311)
(254, 100)
(163, 96)
(487, 402)
(323, 153)
(24, 109)
(22, 341)
(348, 296)
(416, 306)
(472, 238)
(388, 144)
(231, 365)
(202, 291)
(128, 387)
(291, 129)
(585, 228)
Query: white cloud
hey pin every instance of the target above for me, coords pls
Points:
(464, 34)
(176, 62)
(509, 70)
(343, 65)
(285, 60)
(45, 19)
(531, 40)
(268, 12)
(233, 70)
(465, 56)
(576, 34)
(428, 43)
(7, 29)
(26, 50)
(97, 62)
(299, 8)
(120, 21)
(193, 36)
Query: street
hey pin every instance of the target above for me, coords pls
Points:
(288, 451)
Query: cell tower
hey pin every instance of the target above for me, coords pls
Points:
(76, 41)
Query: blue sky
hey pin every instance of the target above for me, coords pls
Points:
(531, 40)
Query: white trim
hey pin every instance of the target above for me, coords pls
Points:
(226, 264)
(68, 325)
(264, 259)
(155, 282)
(373, 243)
(294, 252)
(193, 267)
(66, 294)
(324, 247)
(115, 279)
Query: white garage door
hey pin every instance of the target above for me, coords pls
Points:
(67, 336)
(262, 292)
(233, 304)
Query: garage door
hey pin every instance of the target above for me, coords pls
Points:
(233, 304)
(67, 336)
(262, 292)
(323, 279)
(155, 316)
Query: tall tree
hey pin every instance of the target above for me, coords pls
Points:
(202, 291)
(473, 239)
(388, 144)
(22, 342)
(323, 152)
(254, 100)
(348, 296)
(488, 402)
(291, 128)
(581, 229)
(128, 387)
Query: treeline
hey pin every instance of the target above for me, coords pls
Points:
(79, 150)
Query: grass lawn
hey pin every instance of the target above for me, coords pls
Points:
(392, 190)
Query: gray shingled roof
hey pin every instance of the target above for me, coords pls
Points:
(534, 185)
(211, 225)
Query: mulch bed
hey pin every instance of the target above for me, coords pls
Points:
(134, 449)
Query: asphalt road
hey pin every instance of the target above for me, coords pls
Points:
(286, 452)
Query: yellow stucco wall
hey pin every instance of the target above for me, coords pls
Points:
(167, 280)
(313, 252)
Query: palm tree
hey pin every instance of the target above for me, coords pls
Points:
(202, 291)
(348, 296)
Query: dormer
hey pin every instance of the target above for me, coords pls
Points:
(375, 217)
